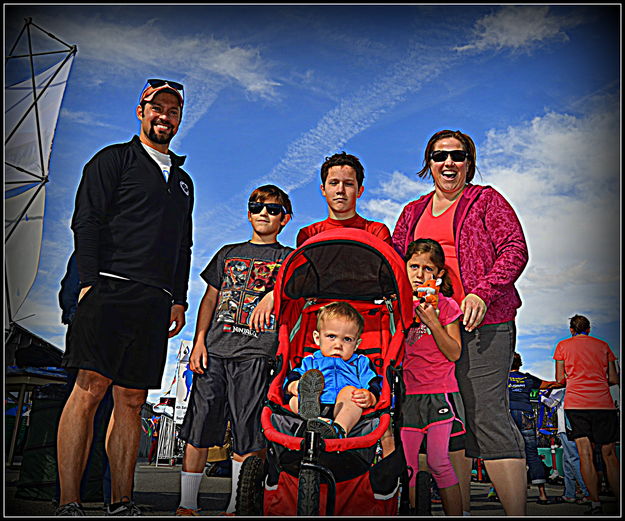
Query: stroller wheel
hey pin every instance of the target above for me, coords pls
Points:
(308, 493)
(250, 487)
(424, 494)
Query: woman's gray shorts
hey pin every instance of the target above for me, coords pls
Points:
(482, 374)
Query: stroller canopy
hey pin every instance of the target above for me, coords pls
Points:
(345, 264)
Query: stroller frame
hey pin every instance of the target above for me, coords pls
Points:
(348, 265)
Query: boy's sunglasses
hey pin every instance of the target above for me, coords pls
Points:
(272, 208)
(458, 156)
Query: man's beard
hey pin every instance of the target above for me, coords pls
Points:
(160, 139)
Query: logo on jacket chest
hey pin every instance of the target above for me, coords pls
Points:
(184, 188)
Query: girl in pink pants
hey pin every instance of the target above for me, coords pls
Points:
(433, 344)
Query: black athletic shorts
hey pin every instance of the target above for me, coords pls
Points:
(229, 389)
(599, 425)
(458, 431)
(120, 331)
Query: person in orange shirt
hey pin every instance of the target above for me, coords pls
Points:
(587, 366)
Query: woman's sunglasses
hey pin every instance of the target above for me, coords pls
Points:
(457, 156)
(272, 208)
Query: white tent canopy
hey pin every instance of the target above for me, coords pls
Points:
(32, 108)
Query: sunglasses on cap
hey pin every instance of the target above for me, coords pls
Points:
(272, 208)
(154, 85)
(458, 156)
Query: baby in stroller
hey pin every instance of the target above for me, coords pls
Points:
(331, 388)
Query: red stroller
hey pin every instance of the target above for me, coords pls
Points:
(309, 475)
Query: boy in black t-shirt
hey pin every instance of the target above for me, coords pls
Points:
(229, 358)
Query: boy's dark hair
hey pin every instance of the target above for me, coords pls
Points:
(262, 193)
(517, 362)
(343, 159)
(438, 258)
(580, 324)
(341, 310)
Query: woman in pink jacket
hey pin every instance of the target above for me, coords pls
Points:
(486, 252)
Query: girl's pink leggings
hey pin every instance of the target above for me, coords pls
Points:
(437, 453)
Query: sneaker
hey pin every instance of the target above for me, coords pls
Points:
(327, 430)
(568, 499)
(125, 508)
(70, 509)
(594, 511)
(181, 511)
(492, 495)
(310, 388)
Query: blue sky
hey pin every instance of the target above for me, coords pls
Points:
(272, 90)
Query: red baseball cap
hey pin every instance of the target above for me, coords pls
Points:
(154, 86)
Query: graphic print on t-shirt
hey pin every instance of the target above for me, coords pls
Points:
(263, 276)
(227, 307)
(245, 282)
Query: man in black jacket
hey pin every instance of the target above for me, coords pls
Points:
(132, 236)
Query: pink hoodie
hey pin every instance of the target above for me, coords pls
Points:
(491, 247)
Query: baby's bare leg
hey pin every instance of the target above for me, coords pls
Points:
(293, 404)
(346, 412)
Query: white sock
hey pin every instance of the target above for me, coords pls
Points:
(236, 470)
(189, 488)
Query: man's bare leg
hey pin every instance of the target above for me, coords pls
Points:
(75, 432)
(612, 468)
(122, 440)
(509, 477)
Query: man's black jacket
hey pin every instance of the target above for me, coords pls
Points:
(129, 222)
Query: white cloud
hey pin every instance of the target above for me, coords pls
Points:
(519, 28)
(561, 174)
(207, 64)
(543, 369)
(87, 118)
(353, 115)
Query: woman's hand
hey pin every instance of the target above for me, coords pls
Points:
(474, 309)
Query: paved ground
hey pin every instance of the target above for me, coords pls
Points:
(157, 492)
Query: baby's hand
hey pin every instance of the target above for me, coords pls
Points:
(363, 398)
